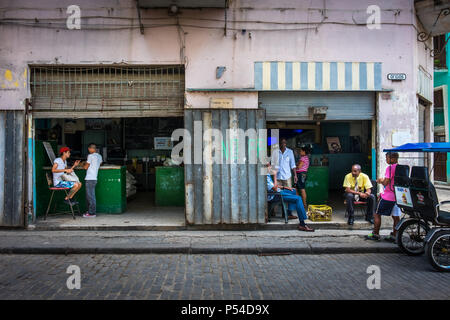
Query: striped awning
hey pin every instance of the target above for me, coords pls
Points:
(318, 76)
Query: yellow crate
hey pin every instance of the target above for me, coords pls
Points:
(319, 212)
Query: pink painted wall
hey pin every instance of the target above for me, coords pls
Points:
(394, 44)
(320, 33)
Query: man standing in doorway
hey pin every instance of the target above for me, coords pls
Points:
(284, 164)
(92, 165)
(358, 188)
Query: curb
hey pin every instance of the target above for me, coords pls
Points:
(225, 227)
(202, 250)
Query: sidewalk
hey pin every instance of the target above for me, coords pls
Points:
(192, 242)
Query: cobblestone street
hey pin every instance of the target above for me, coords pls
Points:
(341, 276)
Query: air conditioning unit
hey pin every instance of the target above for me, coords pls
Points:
(317, 113)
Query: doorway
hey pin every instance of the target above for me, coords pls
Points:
(335, 147)
(138, 183)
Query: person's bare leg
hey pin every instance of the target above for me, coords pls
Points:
(75, 189)
(396, 220)
(303, 192)
(72, 192)
(376, 223)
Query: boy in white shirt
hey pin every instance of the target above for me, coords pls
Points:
(92, 164)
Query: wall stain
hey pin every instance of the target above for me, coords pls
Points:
(12, 80)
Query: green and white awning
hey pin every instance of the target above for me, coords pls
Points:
(318, 76)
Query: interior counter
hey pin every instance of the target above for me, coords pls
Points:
(317, 185)
(169, 188)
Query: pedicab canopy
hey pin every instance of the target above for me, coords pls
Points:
(422, 147)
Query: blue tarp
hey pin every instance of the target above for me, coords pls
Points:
(422, 147)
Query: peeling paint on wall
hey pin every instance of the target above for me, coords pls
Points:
(13, 79)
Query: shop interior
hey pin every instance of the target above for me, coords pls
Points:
(137, 177)
(335, 147)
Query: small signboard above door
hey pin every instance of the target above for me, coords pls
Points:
(396, 76)
(221, 103)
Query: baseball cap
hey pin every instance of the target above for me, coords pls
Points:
(64, 149)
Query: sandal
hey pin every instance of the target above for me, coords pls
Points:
(374, 237)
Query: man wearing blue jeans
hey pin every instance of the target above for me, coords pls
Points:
(290, 196)
(92, 164)
(284, 162)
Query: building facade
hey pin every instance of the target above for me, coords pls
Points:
(322, 67)
(441, 100)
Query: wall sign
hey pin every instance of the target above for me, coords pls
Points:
(396, 76)
(221, 103)
(400, 137)
(163, 143)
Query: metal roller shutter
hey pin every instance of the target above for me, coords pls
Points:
(294, 106)
(12, 124)
(107, 91)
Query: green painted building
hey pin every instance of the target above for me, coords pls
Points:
(441, 103)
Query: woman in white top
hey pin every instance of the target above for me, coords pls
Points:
(58, 169)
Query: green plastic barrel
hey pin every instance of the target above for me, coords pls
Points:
(317, 185)
(169, 189)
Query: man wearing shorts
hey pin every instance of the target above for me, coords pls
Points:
(386, 206)
(58, 169)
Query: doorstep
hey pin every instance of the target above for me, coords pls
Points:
(48, 225)
(441, 185)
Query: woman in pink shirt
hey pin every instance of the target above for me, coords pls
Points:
(302, 172)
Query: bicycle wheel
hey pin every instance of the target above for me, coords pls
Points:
(438, 251)
(411, 235)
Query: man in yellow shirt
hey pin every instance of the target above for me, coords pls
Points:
(358, 188)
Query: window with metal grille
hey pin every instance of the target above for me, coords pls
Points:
(440, 60)
(438, 99)
(107, 87)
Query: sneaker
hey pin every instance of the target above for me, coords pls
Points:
(71, 202)
(87, 215)
(374, 237)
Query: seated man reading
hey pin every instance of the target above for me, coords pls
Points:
(358, 188)
(290, 196)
